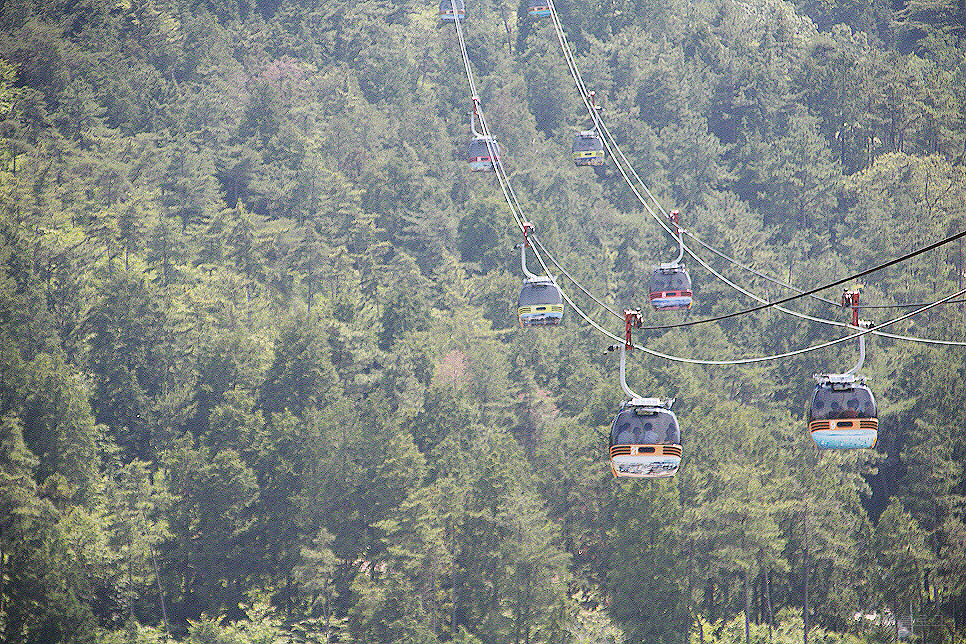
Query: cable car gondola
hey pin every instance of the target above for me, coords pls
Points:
(541, 302)
(484, 154)
(452, 10)
(588, 149)
(484, 151)
(670, 288)
(539, 8)
(842, 413)
(645, 440)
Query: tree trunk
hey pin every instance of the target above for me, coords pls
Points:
(164, 608)
(3, 573)
(805, 573)
(768, 602)
(747, 608)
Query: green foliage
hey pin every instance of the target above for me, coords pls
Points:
(402, 313)
(649, 605)
(261, 377)
(50, 556)
(211, 518)
(126, 359)
(301, 376)
(902, 557)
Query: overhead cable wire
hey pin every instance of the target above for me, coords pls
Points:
(792, 287)
(575, 282)
(799, 351)
(773, 280)
(478, 113)
(912, 338)
(608, 140)
(509, 195)
(906, 305)
(492, 147)
(811, 293)
(620, 160)
(800, 294)
(463, 52)
(478, 110)
(804, 316)
(744, 361)
(797, 296)
(618, 155)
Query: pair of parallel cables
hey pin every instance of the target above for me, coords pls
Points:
(627, 171)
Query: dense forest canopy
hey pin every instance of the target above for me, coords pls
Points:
(261, 377)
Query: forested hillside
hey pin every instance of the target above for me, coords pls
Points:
(261, 376)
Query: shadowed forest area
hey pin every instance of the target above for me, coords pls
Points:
(261, 375)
